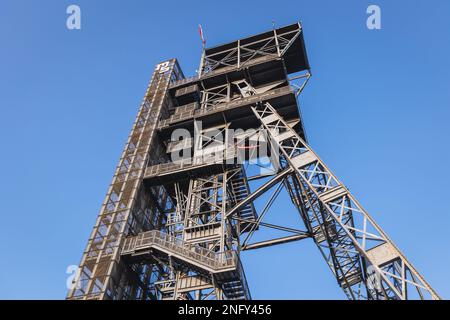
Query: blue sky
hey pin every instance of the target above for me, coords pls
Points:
(376, 110)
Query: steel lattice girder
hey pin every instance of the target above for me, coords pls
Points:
(353, 238)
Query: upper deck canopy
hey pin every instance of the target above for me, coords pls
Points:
(286, 42)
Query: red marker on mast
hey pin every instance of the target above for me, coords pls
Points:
(200, 31)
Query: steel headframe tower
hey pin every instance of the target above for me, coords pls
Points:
(175, 228)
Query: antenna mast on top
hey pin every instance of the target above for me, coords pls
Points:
(200, 31)
(200, 68)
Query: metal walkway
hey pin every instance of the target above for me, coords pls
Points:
(225, 266)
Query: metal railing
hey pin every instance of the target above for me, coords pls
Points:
(183, 81)
(182, 116)
(192, 163)
(166, 242)
(243, 280)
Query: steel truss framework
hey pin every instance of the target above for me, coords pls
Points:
(175, 228)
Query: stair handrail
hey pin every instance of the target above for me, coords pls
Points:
(216, 260)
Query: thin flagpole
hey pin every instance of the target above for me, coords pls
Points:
(200, 31)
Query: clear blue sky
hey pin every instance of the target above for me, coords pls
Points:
(376, 110)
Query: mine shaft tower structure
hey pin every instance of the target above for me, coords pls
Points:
(175, 228)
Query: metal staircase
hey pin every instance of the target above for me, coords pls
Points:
(241, 190)
(224, 266)
(234, 290)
